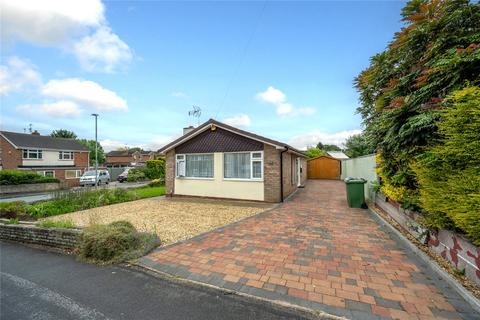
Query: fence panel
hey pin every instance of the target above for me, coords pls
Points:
(361, 167)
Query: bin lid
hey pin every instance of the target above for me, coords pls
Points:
(355, 180)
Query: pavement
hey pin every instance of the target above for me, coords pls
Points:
(35, 197)
(37, 284)
(316, 252)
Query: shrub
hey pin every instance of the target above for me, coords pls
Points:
(14, 209)
(156, 183)
(62, 224)
(155, 169)
(137, 174)
(449, 173)
(116, 242)
(14, 177)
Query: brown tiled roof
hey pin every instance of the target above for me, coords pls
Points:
(229, 128)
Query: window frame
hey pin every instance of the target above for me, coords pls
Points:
(43, 173)
(38, 152)
(78, 174)
(185, 155)
(252, 160)
(61, 155)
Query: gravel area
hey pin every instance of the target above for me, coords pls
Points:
(172, 219)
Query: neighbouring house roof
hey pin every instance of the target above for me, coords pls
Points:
(337, 155)
(34, 141)
(126, 153)
(208, 124)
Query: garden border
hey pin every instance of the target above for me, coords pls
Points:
(464, 293)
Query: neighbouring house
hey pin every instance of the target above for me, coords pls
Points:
(220, 161)
(127, 158)
(64, 159)
(337, 155)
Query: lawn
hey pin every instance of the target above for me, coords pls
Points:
(172, 219)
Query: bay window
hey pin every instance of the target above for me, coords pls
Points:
(243, 165)
(194, 165)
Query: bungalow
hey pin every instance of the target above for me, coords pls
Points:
(64, 159)
(220, 161)
(127, 158)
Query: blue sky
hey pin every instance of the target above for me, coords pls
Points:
(280, 69)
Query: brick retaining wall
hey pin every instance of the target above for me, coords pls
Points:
(52, 237)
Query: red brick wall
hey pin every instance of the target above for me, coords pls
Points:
(271, 174)
(170, 172)
(81, 160)
(11, 158)
(118, 160)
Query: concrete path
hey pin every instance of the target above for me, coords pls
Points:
(316, 252)
(36, 284)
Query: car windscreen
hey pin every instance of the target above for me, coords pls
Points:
(89, 173)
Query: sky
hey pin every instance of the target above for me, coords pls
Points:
(280, 69)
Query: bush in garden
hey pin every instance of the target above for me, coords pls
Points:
(116, 242)
(156, 183)
(137, 174)
(14, 177)
(15, 209)
(155, 169)
(448, 174)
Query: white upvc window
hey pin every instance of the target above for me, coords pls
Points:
(47, 173)
(73, 174)
(32, 154)
(65, 155)
(194, 166)
(243, 165)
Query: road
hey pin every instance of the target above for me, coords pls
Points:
(29, 198)
(37, 284)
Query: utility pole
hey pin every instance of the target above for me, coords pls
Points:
(96, 150)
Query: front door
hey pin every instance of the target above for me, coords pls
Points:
(299, 172)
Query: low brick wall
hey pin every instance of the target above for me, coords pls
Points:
(58, 238)
(453, 247)
(29, 188)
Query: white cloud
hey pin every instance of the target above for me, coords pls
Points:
(179, 94)
(85, 93)
(17, 74)
(78, 27)
(279, 100)
(314, 137)
(102, 51)
(59, 109)
(241, 120)
(109, 145)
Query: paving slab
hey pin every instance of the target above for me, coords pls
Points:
(316, 252)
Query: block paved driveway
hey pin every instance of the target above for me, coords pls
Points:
(316, 252)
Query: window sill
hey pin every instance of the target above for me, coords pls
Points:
(193, 178)
(245, 180)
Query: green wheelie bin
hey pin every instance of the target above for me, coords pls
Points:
(355, 192)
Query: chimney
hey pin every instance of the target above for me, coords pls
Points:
(36, 133)
(187, 129)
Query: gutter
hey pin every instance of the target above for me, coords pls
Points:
(281, 173)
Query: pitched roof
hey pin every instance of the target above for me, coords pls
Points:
(125, 153)
(25, 141)
(206, 125)
(337, 154)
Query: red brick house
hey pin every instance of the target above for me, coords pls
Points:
(64, 159)
(127, 158)
(220, 161)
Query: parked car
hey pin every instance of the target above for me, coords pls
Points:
(123, 176)
(89, 178)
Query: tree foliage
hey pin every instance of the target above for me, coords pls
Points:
(357, 145)
(90, 144)
(63, 133)
(434, 54)
(314, 152)
(328, 147)
(449, 173)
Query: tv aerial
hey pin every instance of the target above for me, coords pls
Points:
(196, 112)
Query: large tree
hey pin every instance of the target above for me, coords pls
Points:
(357, 145)
(435, 53)
(90, 144)
(63, 133)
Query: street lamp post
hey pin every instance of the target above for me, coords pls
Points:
(96, 150)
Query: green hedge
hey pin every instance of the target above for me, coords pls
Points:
(448, 173)
(14, 177)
